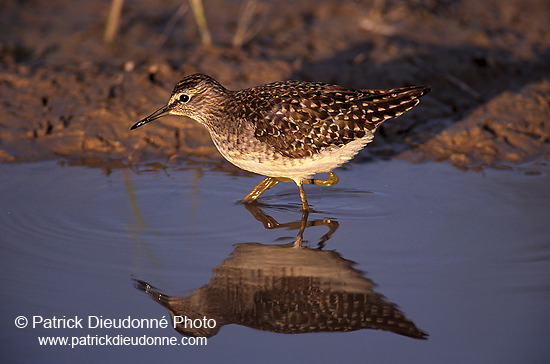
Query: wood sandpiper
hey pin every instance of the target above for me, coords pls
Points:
(287, 130)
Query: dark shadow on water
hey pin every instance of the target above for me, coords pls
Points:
(286, 288)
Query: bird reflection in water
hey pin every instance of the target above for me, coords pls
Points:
(288, 289)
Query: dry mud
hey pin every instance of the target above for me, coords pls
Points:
(65, 94)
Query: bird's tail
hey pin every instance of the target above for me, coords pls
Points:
(388, 104)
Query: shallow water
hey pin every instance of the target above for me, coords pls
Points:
(465, 256)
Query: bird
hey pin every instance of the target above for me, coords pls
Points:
(290, 130)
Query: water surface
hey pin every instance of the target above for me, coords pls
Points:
(464, 256)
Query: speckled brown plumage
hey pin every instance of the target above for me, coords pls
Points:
(301, 119)
(287, 130)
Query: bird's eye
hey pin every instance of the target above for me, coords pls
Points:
(184, 98)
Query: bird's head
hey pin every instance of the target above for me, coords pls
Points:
(196, 96)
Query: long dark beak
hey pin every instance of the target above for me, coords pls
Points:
(163, 111)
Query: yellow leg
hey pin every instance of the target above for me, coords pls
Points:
(260, 188)
(305, 206)
(270, 182)
(331, 181)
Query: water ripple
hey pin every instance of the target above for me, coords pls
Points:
(344, 202)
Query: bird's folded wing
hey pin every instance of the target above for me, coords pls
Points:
(332, 117)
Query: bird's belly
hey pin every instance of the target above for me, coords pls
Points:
(272, 164)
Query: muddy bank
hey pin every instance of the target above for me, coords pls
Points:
(64, 93)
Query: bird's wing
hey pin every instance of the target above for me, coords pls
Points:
(314, 120)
